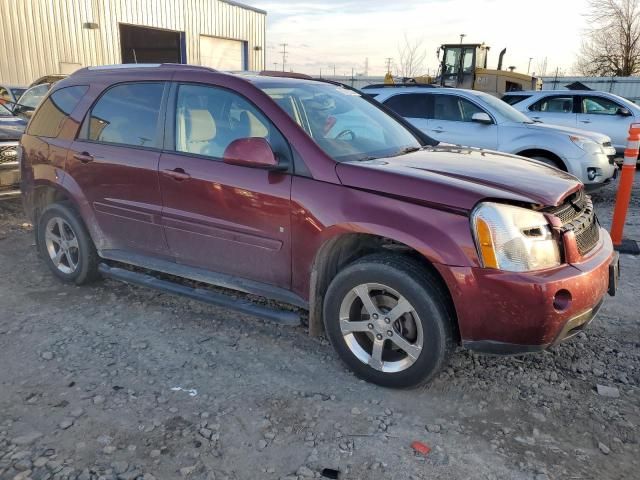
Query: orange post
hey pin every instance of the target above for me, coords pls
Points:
(623, 195)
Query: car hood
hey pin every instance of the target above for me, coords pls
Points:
(459, 177)
(11, 130)
(599, 138)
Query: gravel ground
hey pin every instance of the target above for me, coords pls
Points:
(118, 382)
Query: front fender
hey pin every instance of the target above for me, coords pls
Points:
(322, 212)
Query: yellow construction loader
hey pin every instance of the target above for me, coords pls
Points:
(465, 66)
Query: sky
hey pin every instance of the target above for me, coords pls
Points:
(324, 33)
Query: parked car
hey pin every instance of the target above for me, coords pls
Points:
(398, 248)
(30, 99)
(9, 94)
(477, 119)
(585, 109)
(11, 129)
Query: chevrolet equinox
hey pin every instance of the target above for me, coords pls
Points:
(308, 193)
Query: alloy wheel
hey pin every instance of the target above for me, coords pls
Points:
(381, 328)
(62, 245)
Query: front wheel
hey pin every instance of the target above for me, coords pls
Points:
(388, 319)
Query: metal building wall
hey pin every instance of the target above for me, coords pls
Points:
(36, 36)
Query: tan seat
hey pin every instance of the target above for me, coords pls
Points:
(200, 131)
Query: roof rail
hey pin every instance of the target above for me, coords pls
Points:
(400, 85)
(133, 66)
(275, 73)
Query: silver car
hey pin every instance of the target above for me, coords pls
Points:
(468, 117)
(600, 112)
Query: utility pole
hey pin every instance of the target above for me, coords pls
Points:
(366, 67)
(462, 35)
(389, 60)
(275, 65)
(284, 54)
(334, 69)
(529, 67)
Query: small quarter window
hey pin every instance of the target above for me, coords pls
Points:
(561, 104)
(57, 107)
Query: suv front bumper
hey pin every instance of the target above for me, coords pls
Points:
(512, 313)
(9, 170)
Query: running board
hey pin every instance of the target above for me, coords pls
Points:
(221, 300)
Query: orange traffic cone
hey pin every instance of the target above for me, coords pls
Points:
(623, 195)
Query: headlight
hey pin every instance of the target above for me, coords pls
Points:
(513, 239)
(585, 144)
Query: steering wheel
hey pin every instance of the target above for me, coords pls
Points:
(344, 133)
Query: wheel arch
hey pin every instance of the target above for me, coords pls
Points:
(541, 152)
(345, 248)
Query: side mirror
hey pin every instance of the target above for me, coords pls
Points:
(482, 117)
(252, 152)
(623, 112)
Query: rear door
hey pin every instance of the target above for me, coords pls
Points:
(225, 218)
(414, 107)
(114, 161)
(558, 109)
(452, 122)
(601, 114)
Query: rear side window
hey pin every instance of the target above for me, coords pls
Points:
(599, 106)
(55, 110)
(513, 99)
(127, 114)
(409, 105)
(561, 104)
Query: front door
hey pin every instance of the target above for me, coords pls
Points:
(602, 115)
(114, 161)
(226, 218)
(451, 122)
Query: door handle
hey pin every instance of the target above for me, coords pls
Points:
(438, 130)
(585, 121)
(177, 174)
(536, 118)
(84, 157)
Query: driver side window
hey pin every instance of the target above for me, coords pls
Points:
(209, 119)
(599, 106)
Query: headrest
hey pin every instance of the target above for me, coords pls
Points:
(201, 126)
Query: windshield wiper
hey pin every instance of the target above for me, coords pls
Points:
(406, 150)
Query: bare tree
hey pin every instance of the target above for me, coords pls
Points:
(612, 43)
(410, 58)
(541, 67)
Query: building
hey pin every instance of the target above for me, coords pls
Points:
(42, 37)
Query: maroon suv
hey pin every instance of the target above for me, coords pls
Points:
(308, 193)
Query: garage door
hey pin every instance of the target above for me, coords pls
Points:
(222, 53)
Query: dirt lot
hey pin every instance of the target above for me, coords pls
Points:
(118, 382)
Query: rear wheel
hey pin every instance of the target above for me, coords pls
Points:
(65, 244)
(389, 321)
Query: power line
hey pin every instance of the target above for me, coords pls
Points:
(284, 54)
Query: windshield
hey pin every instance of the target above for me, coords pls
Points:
(34, 95)
(503, 109)
(4, 111)
(341, 122)
(17, 92)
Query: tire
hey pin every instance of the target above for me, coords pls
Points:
(426, 328)
(549, 161)
(72, 257)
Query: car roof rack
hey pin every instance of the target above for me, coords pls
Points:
(276, 73)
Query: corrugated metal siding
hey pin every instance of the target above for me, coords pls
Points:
(37, 35)
(627, 87)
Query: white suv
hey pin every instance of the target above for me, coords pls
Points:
(586, 109)
(476, 119)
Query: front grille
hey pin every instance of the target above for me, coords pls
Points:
(577, 215)
(8, 153)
